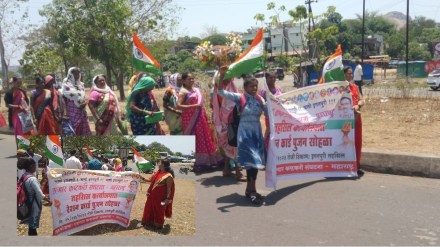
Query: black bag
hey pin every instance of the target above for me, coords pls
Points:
(233, 127)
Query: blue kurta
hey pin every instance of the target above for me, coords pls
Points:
(251, 150)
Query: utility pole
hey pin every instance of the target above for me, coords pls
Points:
(309, 2)
(363, 33)
(407, 38)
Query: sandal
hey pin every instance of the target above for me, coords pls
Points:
(255, 200)
(228, 174)
(249, 194)
(240, 178)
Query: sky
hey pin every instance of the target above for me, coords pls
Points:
(183, 144)
(238, 15)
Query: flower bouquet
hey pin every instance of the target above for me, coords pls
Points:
(219, 55)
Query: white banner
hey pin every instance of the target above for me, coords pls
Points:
(312, 133)
(82, 198)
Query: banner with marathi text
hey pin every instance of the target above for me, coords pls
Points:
(312, 133)
(82, 198)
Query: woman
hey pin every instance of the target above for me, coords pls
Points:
(118, 167)
(73, 92)
(104, 105)
(222, 110)
(271, 78)
(357, 102)
(19, 104)
(141, 103)
(43, 109)
(172, 115)
(160, 196)
(195, 122)
(34, 194)
(251, 150)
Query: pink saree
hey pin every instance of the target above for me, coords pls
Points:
(195, 122)
(19, 98)
(222, 117)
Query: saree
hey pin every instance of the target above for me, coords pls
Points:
(19, 98)
(107, 107)
(142, 100)
(195, 122)
(172, 119)
(154, 212)
(43, 110)
(73, 92)
(222, 112)
(357, 124)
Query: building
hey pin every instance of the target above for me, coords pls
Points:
(285, 38)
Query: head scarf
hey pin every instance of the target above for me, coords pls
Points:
(73, 89)
(145, 82)
(104, 90)
(173, 82)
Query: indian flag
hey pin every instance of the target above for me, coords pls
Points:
(23, 141)
(53, 150)
(142, 58)
(333, 69)
(89, 153)
(250, 61)
(141, 163)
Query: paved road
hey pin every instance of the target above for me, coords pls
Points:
(375, 210)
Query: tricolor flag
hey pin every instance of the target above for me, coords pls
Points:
(53, 150)
(89, 153)
(23, 141)
(141, 163)
(142, 58)
(333, 69)
(250, 61)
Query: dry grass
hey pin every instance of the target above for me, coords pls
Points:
(401, 124)
(182, 223)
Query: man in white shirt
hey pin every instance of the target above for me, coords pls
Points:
(358, 74)
(73, 162)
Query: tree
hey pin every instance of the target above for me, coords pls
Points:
(103, 28)
(8, 27)
(216, 39)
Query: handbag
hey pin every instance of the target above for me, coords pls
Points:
(26, 121)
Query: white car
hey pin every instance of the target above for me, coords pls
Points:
(434, 79)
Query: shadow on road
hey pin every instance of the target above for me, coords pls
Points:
(238, 200)
(217, 181)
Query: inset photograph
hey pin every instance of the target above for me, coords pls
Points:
(105, 185)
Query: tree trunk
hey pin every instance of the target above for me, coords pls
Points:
(4, 64)
(121, 85)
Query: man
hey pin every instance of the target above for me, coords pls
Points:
(94, 164)
(36, 158)
(358, 75)
(73, 162)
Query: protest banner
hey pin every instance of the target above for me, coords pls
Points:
(311, 133)
(83, 198)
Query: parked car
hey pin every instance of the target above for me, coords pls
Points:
(434, 79)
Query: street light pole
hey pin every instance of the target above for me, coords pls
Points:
(407, 38)
(363, 32)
